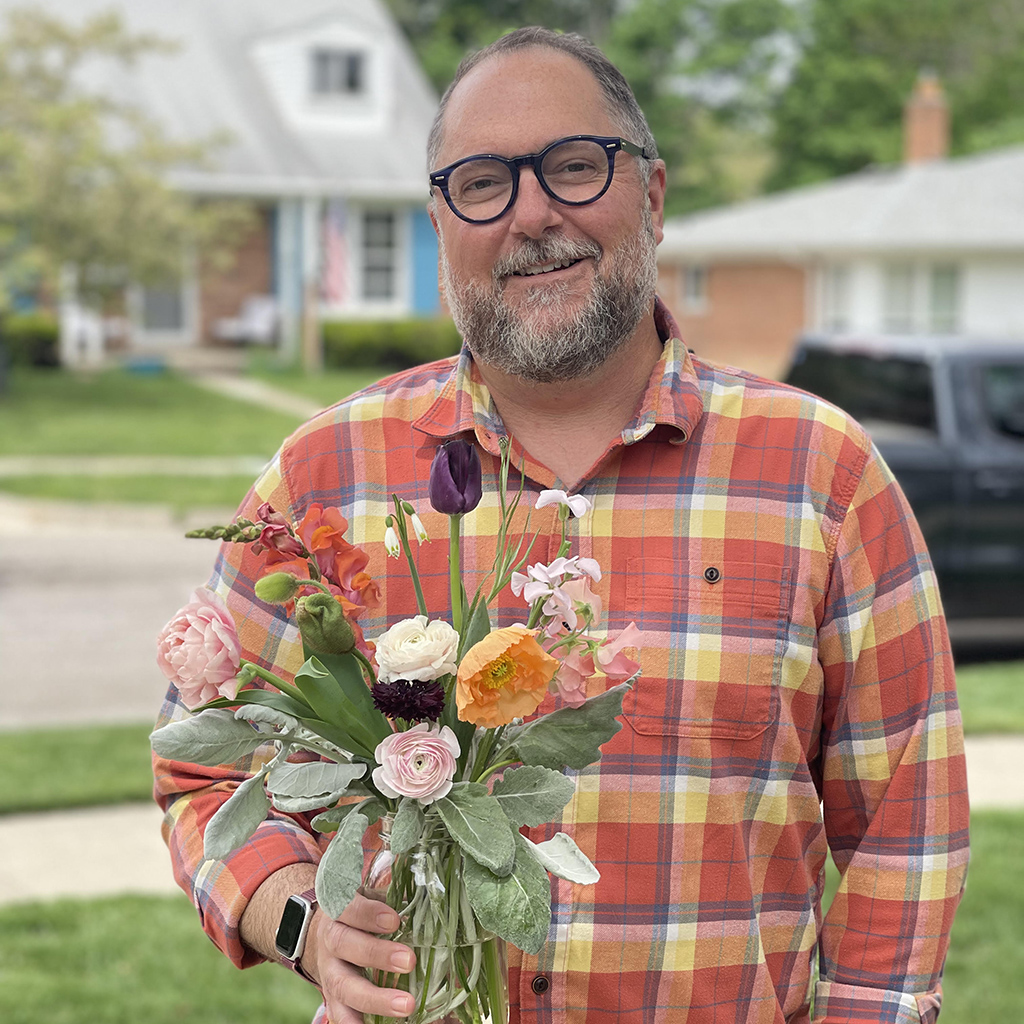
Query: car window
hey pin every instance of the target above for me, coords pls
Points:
(1003, 392)
(871, 388)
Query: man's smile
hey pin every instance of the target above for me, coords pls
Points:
(544, 268)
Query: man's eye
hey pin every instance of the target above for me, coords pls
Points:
(479, 185)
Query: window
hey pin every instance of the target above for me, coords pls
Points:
(338, 72)
(695, 289)
(380, 255)
(835, 298)
(872, 388)
(1003, 388)
(898, 298)
(163, 309)
(944, 299)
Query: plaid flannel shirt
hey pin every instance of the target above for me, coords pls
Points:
(796, 691)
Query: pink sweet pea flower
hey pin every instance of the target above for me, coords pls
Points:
(418, 763)
(199, 651)
(610, 659)
(570, 683)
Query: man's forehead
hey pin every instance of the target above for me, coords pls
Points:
(519, 102)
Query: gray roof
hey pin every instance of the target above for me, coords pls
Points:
(228, 74)
(967, 204)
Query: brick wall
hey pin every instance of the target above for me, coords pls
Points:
(753, 313)
(222, 292)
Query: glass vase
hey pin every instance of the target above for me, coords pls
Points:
(461, 972)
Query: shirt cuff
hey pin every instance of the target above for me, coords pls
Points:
(835, 1003)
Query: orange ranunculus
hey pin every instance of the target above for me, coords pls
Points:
(504, 676)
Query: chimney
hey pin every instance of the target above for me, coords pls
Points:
(926, 122)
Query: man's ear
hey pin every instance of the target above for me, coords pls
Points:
(432, 215)
(656, 196)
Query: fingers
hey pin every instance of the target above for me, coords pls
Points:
(348, 994)
(346, 946)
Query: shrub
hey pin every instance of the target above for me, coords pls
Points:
(390, 343)
(30, 339)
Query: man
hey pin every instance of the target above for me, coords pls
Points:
(796, 688)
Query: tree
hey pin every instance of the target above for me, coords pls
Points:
(84, 177)
(842, 109)
(701, 71)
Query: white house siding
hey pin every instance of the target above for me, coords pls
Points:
(994, 297)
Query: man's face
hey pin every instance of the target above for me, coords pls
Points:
(561, 323)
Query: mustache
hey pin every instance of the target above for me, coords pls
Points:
(545, 250)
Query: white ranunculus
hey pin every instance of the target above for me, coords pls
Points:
(417, 649)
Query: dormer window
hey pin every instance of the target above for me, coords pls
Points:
(338, 72)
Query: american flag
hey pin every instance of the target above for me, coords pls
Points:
(334, 269)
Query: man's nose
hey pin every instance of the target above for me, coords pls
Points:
(534, 211)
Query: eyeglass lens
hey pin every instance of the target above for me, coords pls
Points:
(575, 170)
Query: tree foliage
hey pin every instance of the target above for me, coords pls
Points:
(700, 69)
(83, 176)
(842, 109)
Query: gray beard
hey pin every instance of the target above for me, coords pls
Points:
(578, 344)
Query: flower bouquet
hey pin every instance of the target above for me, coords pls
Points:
(427, 738)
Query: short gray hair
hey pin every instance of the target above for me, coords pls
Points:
(622, 104)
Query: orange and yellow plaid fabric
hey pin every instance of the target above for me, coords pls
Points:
(797, 693)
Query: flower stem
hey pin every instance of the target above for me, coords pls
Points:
(403, 537)
(455, 569)
(285, 687)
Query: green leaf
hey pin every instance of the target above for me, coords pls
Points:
(263, 715)
(476, 627)
(348, 674)
(561, 856)
(236, 819)
(329, 701)
(517, 906)
(209, 738)
(570, 737)
(305, 787)
(532, 795)
(408, 825)
(337, 735)
(341, 868)
(328, 821)
(475, 821)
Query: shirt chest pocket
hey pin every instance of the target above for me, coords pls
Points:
(714, 635)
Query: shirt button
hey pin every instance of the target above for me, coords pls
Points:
(712, 574)
(540, 984)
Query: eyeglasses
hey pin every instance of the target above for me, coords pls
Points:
(574, 171)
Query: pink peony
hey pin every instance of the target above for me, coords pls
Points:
(198, 650)
(419, 762)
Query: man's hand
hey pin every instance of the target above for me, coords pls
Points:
(337, 951)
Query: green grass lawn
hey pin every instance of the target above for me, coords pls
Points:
(326, 387)
(131, 958)
(116, 412)
(178, 493)
(992, 696)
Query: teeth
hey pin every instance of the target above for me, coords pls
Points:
(545, 269)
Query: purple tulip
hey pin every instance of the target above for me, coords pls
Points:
(455, 478)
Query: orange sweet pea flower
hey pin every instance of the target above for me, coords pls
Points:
(504, 676)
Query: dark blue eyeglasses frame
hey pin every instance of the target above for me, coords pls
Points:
(610, 144)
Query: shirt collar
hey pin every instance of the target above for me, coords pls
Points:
(673, 397)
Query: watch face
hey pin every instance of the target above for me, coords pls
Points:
(292, 920)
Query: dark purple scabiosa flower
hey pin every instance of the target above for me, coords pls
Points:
(412, 701)
(455, 478)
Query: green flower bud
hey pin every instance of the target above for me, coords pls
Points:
(278, 587)
(323, 625)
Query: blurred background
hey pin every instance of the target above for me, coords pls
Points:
(213, 224)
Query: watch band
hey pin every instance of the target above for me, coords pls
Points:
(292, 959)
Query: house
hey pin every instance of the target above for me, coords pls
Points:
(933, 246)
(328, 112)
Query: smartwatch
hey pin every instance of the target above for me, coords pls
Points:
(293, 929)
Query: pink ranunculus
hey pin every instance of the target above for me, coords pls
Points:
(610, 659)
(419, 763)
(199, 651)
